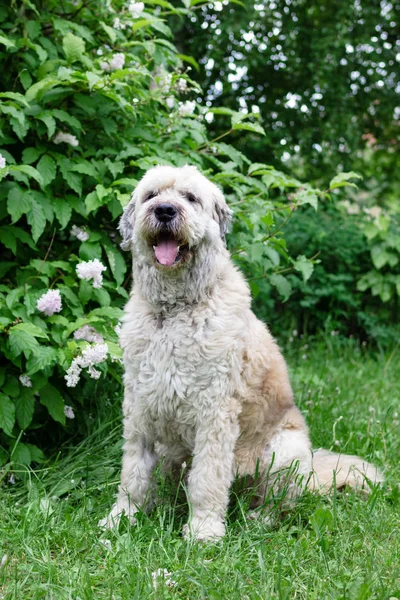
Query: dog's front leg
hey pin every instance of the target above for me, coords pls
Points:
(211, 475)
(138, 463)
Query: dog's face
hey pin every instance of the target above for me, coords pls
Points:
(172, 212)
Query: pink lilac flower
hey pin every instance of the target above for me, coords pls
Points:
(181, 85)
(66, 138)
(91, 270)
(50, 303)
(136, 9)
(25, 380)
(186, 108)
(69, 412)
(89, 334)
(79, 233)
(117, 62)
(92, 355)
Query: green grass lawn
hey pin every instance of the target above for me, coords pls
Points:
(340, 546)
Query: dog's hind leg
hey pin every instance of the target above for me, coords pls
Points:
(138, 463)
(285, 468)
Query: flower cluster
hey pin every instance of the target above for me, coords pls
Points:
(117, 62)
(89, 334)
(92, 355)
(80, 233)
(50, 302)
(91, 270)
(136, 9)
(25, 380)
(69, 412)
(118, 24)
(66, 138)
(181, 85)
(186, 108)
(2, 161)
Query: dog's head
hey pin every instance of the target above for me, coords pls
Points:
(173, 211)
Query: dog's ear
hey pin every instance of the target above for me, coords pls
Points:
(222, 213)
(126, 223)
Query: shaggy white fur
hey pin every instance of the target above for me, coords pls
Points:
(203, 377)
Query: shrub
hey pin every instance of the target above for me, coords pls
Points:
(94, 95)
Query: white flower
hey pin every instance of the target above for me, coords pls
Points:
(92, 355)
(294, 333)
(163, 80)
(162, 574)
(118, 24)
(136, 9)
(186, 108)
(12, 479)
(181, 85)
(170, 101)
(66, 138)
(89, 334)
(25, 380)
(91, 270)
(69, 412)
(2, 161)
(50, 303)
(117, 329)
(79, 233)
(117, 62)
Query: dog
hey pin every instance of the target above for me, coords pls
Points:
(204, 378)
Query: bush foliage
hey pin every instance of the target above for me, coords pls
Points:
(94, 94)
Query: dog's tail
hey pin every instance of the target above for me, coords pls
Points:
(341, 470)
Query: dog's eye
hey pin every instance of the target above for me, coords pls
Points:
(150, 195)
(191, 197)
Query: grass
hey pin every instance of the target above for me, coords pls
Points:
(343, 546)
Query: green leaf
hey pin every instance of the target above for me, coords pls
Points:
(304, 266)
(92, 79)
(24, 407)
(50, 123)
(47, 169)
(307, 197)
(6, 41)
(30, 155)
(41, 86)
(43, 357)
(63, 211)
(86, 168)
(32, 329)
(117, 263)
(254, 127)
(74, 47)
(21, 341)
(7, 414)
(282, 285)
(109, 31)
(379, 257)
(28, 170)
(18, 203)
(36, 453)
(21, 454)
(37, 220)
(343, 179)
(51, 398)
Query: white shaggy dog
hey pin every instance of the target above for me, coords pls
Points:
(203, 376)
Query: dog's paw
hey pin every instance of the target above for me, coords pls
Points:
(113, 519)
(206, 529)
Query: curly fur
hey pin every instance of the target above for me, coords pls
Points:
(204, 378)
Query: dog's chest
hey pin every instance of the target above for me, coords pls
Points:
(178, 365)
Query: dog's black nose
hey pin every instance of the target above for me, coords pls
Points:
(165, 212)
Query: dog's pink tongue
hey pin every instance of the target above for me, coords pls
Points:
(166, 252)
